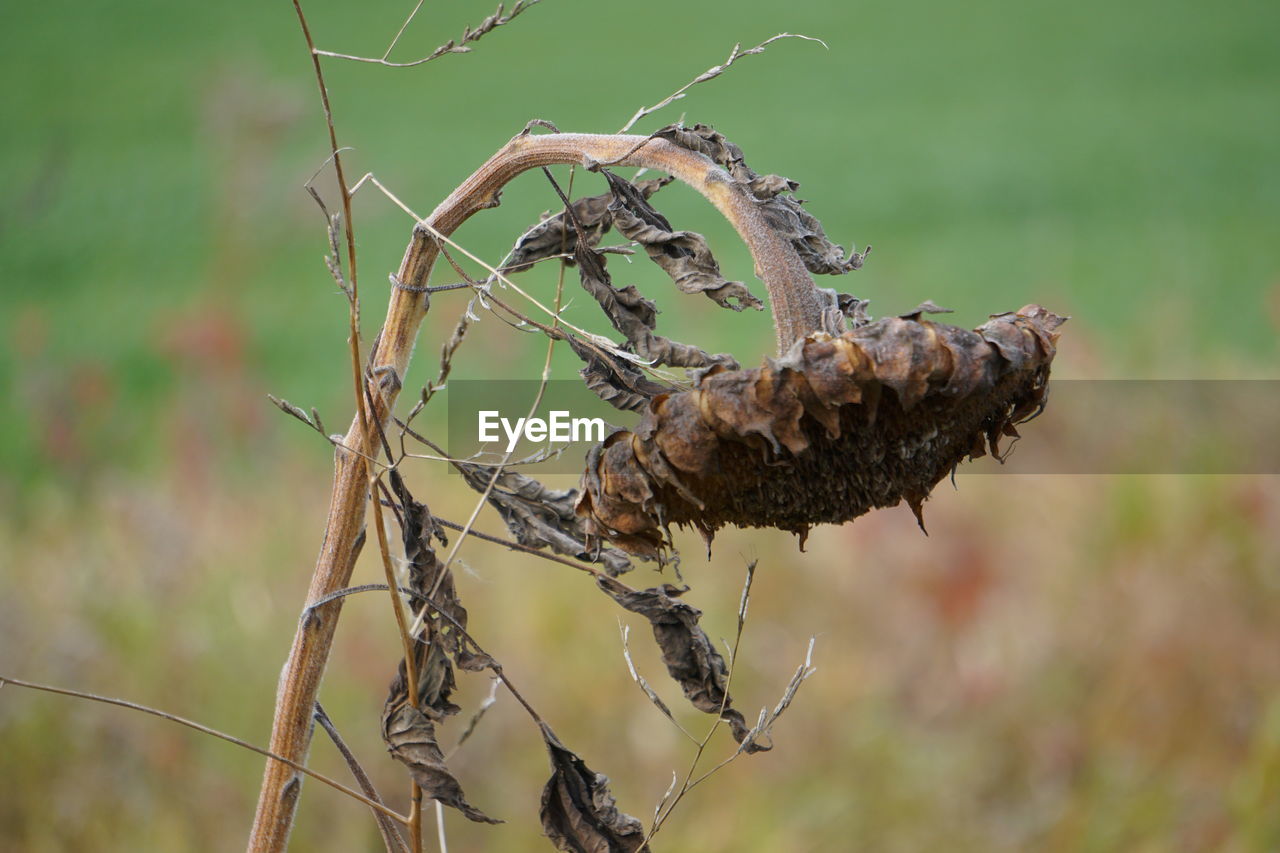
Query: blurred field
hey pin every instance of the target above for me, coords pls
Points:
(1064, 664)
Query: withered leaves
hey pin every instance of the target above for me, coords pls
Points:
(690, 656)
(578, 812)
(580, 227)
(410, 736)
(839, 426)
(783, 212)
(635, 316)
(555, 234)
(431, 581)
(540, 517)
(615, 380)
(683, 255)
(409, 725)
(610, 377)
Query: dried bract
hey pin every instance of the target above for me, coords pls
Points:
(835, 428)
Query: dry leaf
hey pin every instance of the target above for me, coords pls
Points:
(635, 316)
(690, 656)
(554, 234)
(783, 212)
(408, 727)
(410, 736)
(615, 380)
(578, 812)
(540, 517)
(683, 255)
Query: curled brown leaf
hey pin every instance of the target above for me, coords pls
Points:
(782, 211)
(554, 234)
(690, 656)
(410, 736)
(578, 812)
(683, 255)
(409, 723)
(434, 590)
(607, 374)
(540, 517)
(615, 380)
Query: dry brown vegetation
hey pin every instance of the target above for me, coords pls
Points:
(852, 414)
(842, 423)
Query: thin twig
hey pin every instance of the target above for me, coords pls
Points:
(403, 27)
(644, 686)
(490, 661)
(516, 546)
(764, 724)
(711, 73)
(483, 709)
(500, 276)
(497, 273)
(313, 421)
(353, 286)
(488, 25)
(391, 836)
(661, 815)
(191, 724)
(440, 836)
(487, 537)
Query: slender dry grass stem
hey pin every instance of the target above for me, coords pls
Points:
(203, 729)
(391, 838)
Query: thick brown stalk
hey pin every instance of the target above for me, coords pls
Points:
(797, 311)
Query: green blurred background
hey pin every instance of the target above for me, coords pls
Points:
(1066, 663)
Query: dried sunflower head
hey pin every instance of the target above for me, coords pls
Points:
(838, 426)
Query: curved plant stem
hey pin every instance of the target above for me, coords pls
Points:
(797, 310)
